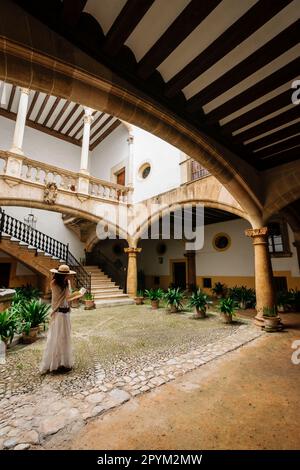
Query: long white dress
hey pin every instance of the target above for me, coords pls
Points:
(58, 351)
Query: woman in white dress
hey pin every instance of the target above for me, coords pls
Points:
(58, 352)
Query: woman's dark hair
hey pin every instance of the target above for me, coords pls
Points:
(61, 280)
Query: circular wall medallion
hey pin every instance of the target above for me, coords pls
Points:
(144, 171)
(221, 242)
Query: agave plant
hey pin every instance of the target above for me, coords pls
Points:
(154, 294)
(243, 296)
(8, 325)
(200, 301)
(228, 307)
(32, 314)
(27, 292)
(219, 289)
(174, 297)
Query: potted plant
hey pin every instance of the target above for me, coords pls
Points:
(219, 290)
(200, 301)
(31, 315)
(7, 326)
(243, 296)
(271, 319)
(284, 300)
(139, 299)
(75, 303)
(89, 303)
(154, 295)
(227, 308)
(174, 297)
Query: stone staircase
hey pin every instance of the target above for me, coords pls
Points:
(104, 290)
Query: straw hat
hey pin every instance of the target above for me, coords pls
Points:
(63, 269)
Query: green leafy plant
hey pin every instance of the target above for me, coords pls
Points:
(219, 289)
(154, 294)
(27, 292)
(228, 306)
(140, 293)
(88, 296)
(200, 300)
(270, 311)
(8, 325)
(295, 299)
(284, 299)
(244, 296)
(31, 314)
(174, 297)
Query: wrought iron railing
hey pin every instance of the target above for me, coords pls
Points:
(40, 241)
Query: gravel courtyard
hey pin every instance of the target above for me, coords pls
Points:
(112, 342)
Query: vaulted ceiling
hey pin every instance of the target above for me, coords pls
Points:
(55, 116)
(226, 66)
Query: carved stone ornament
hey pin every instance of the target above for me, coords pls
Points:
(256, 232)
(50, 193)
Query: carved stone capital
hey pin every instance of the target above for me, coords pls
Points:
(132, 251)
(256, 232)
(88, 119)
(25, 90)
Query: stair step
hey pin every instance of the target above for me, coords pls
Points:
(107, 290)
(110, 296)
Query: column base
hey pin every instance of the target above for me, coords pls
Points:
(259, 321)
(16, 150)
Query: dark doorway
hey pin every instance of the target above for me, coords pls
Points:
(4, 274)
(121, 177)
(280, 283)
(179, 274)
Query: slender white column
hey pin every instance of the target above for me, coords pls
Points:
(130, 141)
(87, 119)
(20, 122)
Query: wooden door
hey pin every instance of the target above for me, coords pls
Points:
(121, 177)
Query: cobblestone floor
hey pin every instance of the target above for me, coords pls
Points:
(34, 408)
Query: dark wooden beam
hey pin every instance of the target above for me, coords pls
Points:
(11, 98)
(105, 134)
(268, 107)
(70, 114)
(32, 105)
(53, 108)
(268, 84)
(96, 121)
(266, 126)
(279, 147)
(280, 158)
(104, 123)
(128, 18)
(59, 116)
(80, 116)
(71, 12)
(40, 127)
(184, 24)
(275, 137)
(246, 25)
(251, 64)
(40, 111)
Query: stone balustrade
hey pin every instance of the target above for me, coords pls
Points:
(24, 169)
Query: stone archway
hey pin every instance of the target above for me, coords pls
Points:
(59, 68)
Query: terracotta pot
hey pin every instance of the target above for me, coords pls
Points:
(271, 323)
(89, 304)
(139, 300)
(227, 318)
(155, 304)
(32, 336)
(200, 313)
(173, 309)
(242, 305)
(75, 303)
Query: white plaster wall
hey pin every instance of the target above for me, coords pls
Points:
(238, 260)
(42, 147)
(52, 224)
(110, 152)
(164, 160)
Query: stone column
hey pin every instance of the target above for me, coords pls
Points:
(87, 119)
(83, 180)
(264, 286)
(191, 269)
(20, 122)
(132, 270)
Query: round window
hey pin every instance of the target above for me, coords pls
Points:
(144, 171)
(221, 242)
